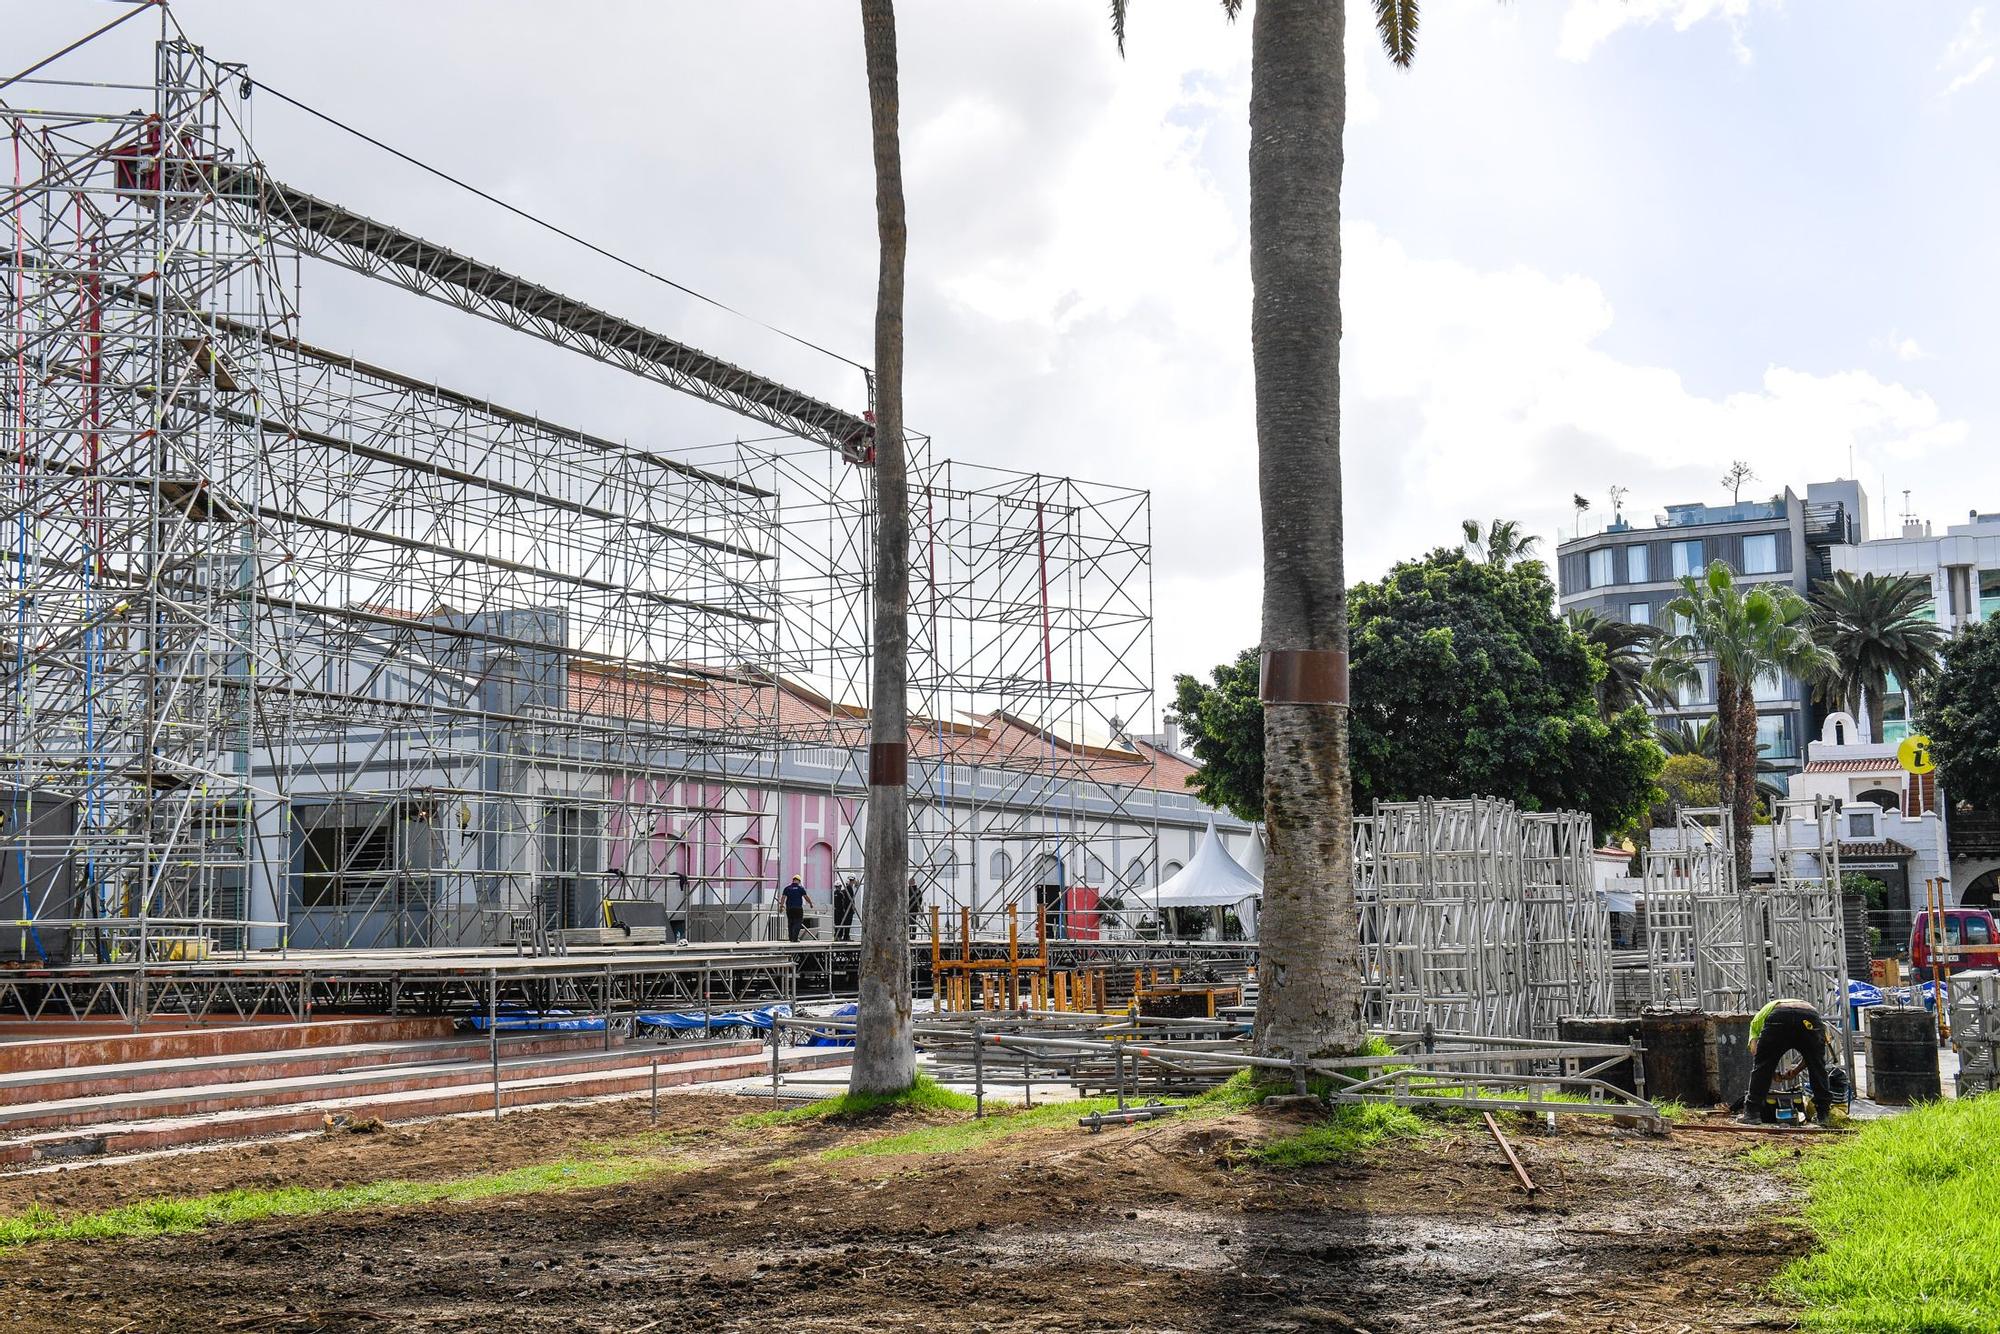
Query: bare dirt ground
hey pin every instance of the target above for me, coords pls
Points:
(1154, 1228)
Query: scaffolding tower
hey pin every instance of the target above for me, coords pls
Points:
(305, 649)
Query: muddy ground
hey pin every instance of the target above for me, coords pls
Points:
(1159, 1227)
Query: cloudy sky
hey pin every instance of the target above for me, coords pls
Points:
(1588, 242)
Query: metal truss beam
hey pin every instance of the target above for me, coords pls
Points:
(324, 229)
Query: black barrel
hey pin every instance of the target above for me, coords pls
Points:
(1573, 1028)
(1728, 1057)
(1902, 1054)
(1677, 1057)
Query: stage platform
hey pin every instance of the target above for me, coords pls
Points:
(298, 985)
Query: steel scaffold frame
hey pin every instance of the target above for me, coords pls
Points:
(302, 640)
(1479, 918)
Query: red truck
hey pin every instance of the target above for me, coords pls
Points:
(1971, 940)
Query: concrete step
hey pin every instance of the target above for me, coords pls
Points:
(190, 1099)
(58, 1053)
(87, 1141)
(86, 1081)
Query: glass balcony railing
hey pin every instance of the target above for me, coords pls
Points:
(1748, 511)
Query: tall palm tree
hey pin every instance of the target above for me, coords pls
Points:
(1746, 631)
(1309, 992)
(1503, 542)
(1874, 626)
(1627, 650)
(884, 1054)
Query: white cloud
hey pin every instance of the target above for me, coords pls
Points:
(1971, 76)
(1474, 394)
(1968, 56)
(1587, 24)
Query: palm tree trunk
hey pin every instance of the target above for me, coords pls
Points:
(1309, 998)
(1739, 745)
(1874, 697)
(884, 1058)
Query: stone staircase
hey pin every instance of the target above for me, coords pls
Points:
(133, 1093)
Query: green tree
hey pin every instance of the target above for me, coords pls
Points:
(1224, 723)
(1874, 626)
(1503, 542)
(1309, 968)
(1963, 717)
(1746, 631)
(884, 1051)
(1627, 651)
(1465, 683)
(1690, 781)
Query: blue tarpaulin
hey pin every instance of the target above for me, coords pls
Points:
(696, 1021)
(546, 1021)
(837, 1037)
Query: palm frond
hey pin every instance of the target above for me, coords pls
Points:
(1396, 21)
(1118, 24)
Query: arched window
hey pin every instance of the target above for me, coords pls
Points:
(1092, 869)
(1887, 800)
(1169, 871)
(1135, 874)
(1002, 866)
(819, 867)
(745, 871)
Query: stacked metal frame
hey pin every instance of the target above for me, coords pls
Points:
(1477, 918)
(1804, 924)
(1687, 887)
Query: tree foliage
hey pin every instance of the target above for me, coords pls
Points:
(1874, 626)
(1746, 631)
(1691, 781)
(1465, 682)
(1963, 717)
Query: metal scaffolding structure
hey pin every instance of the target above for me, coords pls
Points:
(1716, 945)
(1479, 918)
(303, 649)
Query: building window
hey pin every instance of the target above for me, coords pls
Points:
(1002, 866)
(1602, 568)
(1687, 558)
(1760, 554)
(1638, 565)
(1688, 694)
(1678, 624)
(1989, 594)
(1860, 824)
(1639, 613)
(1768, 688)
(1774, 737)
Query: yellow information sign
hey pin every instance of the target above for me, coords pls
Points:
(1915, 755)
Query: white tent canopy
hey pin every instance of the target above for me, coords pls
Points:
(1212, 878)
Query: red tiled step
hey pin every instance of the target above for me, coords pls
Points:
(140, 1076)
(62, 1052)
(247, 1123)
(191, 1099)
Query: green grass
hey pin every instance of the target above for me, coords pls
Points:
(150, 1218)
(1907, 1212)
(1349, 1129)
(925, 1095)
(952, 1136)
(1768, 1157)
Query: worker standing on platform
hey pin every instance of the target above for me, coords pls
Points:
(796, 899)
(843, 910)
(1786, 1026)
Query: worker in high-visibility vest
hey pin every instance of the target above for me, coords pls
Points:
(1785, 1026)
